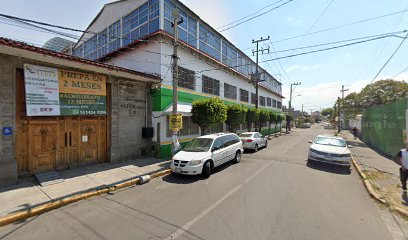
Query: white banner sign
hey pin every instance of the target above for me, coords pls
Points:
(42, 90)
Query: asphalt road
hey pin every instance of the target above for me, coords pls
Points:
(272, 194)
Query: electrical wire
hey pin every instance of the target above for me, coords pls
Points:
(249, 19)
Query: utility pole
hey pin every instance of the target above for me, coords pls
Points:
(290, 102)
(256, 79)
(175, 57)
(338, 115)
(342, 99)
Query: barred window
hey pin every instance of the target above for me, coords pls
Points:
(243, 95)
(274, 103)
(262, 101)
(189, 128)
(230, 91)
(211, 86)
(279, 104)
(186, 78)
(253, 98)
(268, 101)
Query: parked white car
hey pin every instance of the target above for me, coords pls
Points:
(332, 150)
(204, 153)
(253, 140)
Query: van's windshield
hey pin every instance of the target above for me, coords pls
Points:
(199, 145)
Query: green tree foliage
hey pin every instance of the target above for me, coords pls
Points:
(252, 116)
(208, 111)
(273, 118)
(263, 118)
(377, 93)
(327, 112)
(236, 115)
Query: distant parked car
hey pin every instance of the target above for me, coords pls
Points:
(204, 153)
(253, 140)
(332, 150)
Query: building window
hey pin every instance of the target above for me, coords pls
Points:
(186, 78)
(274, 103)
(268, 102)
(210, 43)
(189, 128)
(211, 86)
(262, 101)
(243, 95)
(230, 91)
(253, 98)
(279, 104)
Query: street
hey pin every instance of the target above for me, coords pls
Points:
(271, 194)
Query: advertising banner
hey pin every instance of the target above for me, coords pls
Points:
(56, 92)
(82, 93)
(42, 93)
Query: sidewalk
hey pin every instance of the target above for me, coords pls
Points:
(28, 193)
(382, 172)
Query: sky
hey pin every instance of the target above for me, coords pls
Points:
(321, 74)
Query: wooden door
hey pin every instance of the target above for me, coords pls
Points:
(42, 146)
(21, 132)
(90, 140)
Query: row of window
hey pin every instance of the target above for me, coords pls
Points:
(212, 86)
(136, 25)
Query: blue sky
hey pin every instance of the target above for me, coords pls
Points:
(321, 74)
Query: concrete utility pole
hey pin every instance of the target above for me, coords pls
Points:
(338, 115)
(256, 79)
(342, 98)
(290, 102)
(176, 22)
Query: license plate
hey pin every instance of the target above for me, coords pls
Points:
(177, 170)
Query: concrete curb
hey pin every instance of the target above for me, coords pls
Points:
(370, 189)
(25, 214)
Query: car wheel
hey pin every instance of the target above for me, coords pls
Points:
(266, 143)
(206, 169)
(237, 158)
(256, 148)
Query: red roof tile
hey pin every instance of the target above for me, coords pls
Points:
(27, 47)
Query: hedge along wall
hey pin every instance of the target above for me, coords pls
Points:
(384, 127)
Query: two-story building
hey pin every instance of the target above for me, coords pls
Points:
(138, 35)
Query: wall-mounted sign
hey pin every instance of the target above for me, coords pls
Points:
(54, 92)
(7, 131)
(42, 93)
(176, 122)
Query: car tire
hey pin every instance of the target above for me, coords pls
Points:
(237, 158)
(256, 148)
(206, 169)
(266, 143)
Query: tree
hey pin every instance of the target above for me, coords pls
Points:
(281, 117)
(273, 118)
(236, 115)
(327, 112)
(208, 111)
(252, 117)
(263, 118)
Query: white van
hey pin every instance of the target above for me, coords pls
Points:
(204, 153)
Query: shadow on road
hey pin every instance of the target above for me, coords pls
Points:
(405, 198)
(329, 168)
(187, 179)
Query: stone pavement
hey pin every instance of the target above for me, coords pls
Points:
(382, 172)
(28, 193)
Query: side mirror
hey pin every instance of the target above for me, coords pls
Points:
(310, 141)
(213, 149)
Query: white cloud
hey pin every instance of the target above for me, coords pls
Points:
(301, 68)
(322, 95)
(402, 76)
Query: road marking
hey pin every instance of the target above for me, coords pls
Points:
(188, 225)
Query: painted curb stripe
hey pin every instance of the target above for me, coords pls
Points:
(25, 214)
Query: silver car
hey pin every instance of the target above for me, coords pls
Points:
(253, 140)
(332, 150)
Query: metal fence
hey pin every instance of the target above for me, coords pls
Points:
(384, 127)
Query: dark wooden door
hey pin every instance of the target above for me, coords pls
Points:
(42, 146)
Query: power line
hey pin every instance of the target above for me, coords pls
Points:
(389, 59)
(310, 52)
(238, 20)
(249, 19)
(315, 22)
